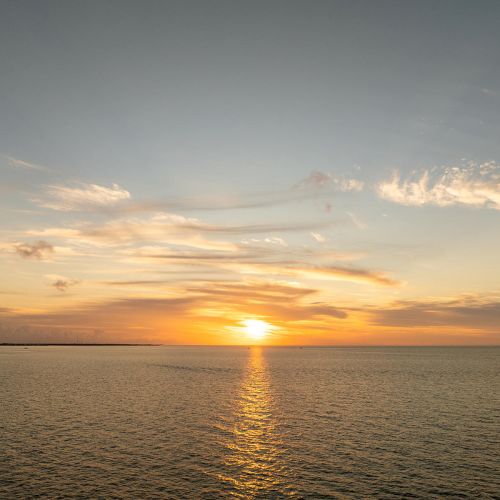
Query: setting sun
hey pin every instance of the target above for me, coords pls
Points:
(256, 328)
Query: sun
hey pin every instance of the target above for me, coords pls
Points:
(256, 328)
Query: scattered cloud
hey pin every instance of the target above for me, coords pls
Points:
(61, 283)
(82, 197)
(37, 250)
(476, 185)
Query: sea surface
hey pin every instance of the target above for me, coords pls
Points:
(195, 422)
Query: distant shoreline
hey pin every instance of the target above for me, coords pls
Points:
(34, 344)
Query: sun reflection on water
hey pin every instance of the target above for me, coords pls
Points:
(253, 461)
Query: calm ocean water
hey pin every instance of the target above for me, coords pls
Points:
(178, 422)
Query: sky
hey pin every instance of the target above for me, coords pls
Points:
(173, 171)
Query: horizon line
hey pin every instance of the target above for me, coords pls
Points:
(129, 344)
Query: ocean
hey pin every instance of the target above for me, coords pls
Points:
(235, 422)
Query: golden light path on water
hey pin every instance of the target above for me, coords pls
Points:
(254, 449)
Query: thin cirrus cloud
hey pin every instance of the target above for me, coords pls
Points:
(95, 197)
(318, 237)
(474, 185)
(25, 165)
(244, 254)
(319, 180)
(348, 274)
(81, 197)
(315, 184)
(337, 273)
(305, 270)
(161, 228)
(167, 228)
(278, 261)
(474, 312)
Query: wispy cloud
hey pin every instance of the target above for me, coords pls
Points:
(476, 185)
(171, 229)
(209, 308)
(272, 241)
(356, 221)
(162, 228)
(489, 92)
(82, 197)
(473, 312)
(318, 237)
(320, 180)
(134, 283)
(305, 270)
(342, 274)
(26, 165)
(314, 185)
(246, 257)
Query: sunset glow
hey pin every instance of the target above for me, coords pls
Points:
(256, 328)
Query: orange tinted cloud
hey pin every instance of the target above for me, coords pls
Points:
(196, 314)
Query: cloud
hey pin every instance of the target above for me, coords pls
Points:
(199, 311)
(252, 291)
(318, 180)
(17, 163)
(304, 270)
(37, 250)
(345, 274)
(356, 221)
(476, 185)
(256, 260)
(161, 228)
(316, 184)
(315, 179)
(171, 229)
(61, 283)
(82, 197)
(318, 237)
(136, 283)
(245, 259)
(473, 312)
(273, 241)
